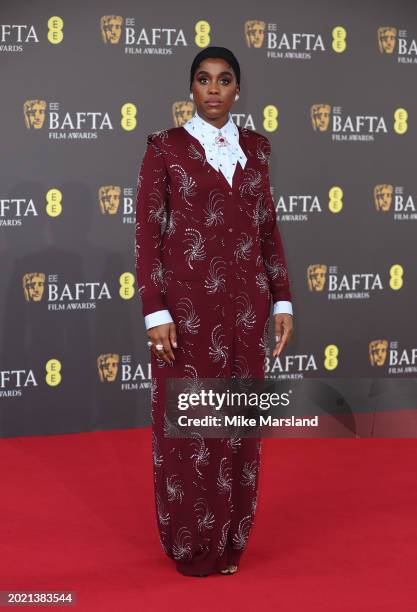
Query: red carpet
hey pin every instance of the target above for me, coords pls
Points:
(335, 530)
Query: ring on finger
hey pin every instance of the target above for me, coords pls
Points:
(159, 347)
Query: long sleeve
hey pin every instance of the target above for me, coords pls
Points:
(271, 244)
(151, 197)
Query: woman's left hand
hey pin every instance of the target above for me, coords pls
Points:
(283, 329)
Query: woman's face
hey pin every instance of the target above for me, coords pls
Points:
(214, 88)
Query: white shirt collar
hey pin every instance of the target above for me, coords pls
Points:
(221, 155)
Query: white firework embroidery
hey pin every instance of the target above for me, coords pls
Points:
(205, 518)
(158, 458)
(188, 320)
(162, 135)
(241, 371)
(194, 153)
(162, 515)
(195, 385)
(244, 245)
(262, 213)
(262, 282)
(249, 471)
(214, 210)
(251, 183)
(174, 489)
(200, 455)
(240, 367)
(218, 350)
(275, 267)
(172, 222)
(223, 539)
(187, 183)
(234, 443)
(181, 548)
(159, 275)
(245, 315)
(224, 480)
(170, 431)
(263, 150)
(196, 250)
(157, 210)
(241, 536)
(216, 281)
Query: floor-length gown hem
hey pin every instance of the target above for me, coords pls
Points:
(205, 568)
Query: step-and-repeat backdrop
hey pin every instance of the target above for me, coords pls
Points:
(333, 84)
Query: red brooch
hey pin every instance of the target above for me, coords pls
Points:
(221, 141)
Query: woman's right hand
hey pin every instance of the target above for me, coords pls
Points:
(166, 335)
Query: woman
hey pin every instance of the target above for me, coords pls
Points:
(205, 285)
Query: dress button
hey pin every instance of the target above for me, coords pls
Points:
(230, 192)
(230, 229)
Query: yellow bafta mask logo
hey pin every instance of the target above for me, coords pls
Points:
(386, 39)
(109, 199)
(34, 113)
(182, 111)
(108, 365)
(111, 28)
(33, 286)
(383, 197)
(378, 352)
(320, 117)
(316, 277)
(255, 33)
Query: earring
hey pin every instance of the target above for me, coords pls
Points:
(237, 97)
(191, 95)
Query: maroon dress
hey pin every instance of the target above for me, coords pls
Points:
(215, 267)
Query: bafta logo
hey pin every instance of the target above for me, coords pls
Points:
(181, 112)
(320, 117)
(111, 28)
(383, 197)
(34, 113)
(378, 352)
(254, 33)
(316, 277)
(107, 366)
(33, 286)
(109, 198)
(386, 39)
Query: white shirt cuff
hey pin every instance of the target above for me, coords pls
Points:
(282, 306)
(159, 317)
